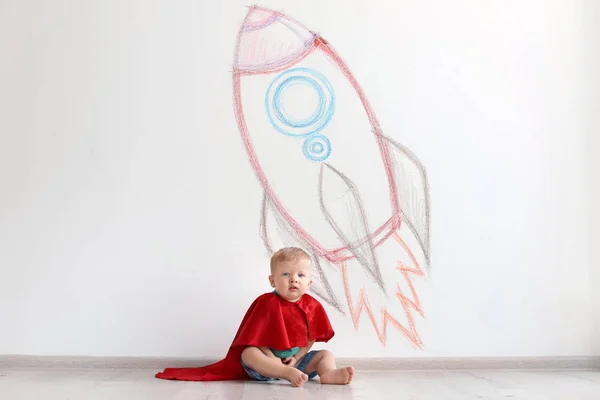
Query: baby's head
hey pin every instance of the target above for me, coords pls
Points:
(291, 273)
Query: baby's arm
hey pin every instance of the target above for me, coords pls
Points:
(303, 350)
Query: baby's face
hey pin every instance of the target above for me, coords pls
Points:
(292, 279)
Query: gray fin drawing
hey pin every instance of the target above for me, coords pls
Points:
(320, 286)
(413, 194)
(343, 210)
(263, 224)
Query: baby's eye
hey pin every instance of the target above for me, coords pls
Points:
(286, 273)
(302, 275)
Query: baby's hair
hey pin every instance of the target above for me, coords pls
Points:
(287, 254)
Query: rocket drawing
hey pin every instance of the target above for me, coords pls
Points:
(334, 183)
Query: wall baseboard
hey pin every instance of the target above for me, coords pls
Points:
(363, 364)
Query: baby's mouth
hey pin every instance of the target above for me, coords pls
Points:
(293, 288)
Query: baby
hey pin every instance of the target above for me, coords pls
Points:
(291, 272)
(266, 344)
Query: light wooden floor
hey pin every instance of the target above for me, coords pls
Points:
(141, 384)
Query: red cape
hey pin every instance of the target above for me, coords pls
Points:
(270, 322)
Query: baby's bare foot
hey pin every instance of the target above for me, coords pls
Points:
(340, 376)
(296, 377)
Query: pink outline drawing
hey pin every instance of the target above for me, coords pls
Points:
(408, 193)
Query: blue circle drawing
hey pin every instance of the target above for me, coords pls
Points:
(279, 107)
(316, 148)
(275, 107)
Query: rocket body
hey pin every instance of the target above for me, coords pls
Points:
(303, 117)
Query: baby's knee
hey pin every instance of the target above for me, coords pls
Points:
(325, 354)
(250, 352)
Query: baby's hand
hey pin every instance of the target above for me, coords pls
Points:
(289, 361)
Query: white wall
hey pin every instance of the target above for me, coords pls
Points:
(592, 80)
(129, 212)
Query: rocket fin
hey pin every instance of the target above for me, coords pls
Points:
(342, 207)
(413, 194)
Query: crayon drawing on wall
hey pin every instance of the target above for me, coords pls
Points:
(309, 131)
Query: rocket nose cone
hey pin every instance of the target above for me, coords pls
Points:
(269, 39)
(258, 17)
